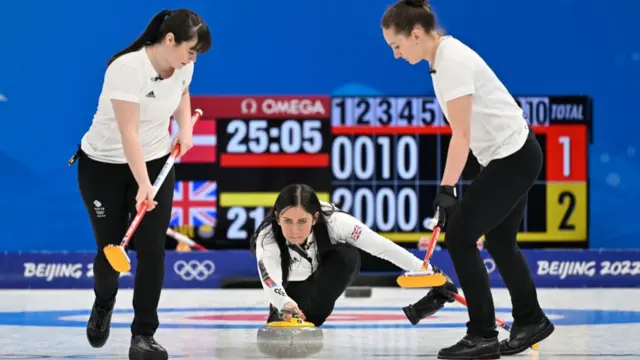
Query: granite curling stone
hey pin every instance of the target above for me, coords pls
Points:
(292, 338)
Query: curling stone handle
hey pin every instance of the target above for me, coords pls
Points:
(290, 311)
(295, 316)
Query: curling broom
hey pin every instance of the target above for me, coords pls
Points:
(424, 278)
(185, 240)
(116, 254)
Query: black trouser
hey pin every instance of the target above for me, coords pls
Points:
(108, 192)
(317, 295)
(493, 206)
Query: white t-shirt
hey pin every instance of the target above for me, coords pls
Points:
(343, 228)
(131, 77)
(498, 126)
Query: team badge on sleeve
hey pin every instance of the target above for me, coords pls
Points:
(357, 231)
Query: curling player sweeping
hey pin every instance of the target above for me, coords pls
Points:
(486, 121)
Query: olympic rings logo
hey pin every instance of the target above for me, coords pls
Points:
(490, 265)
(194, 269)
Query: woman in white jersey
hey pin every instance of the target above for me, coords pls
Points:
(307, 254)
(485, 119)
(122, 154)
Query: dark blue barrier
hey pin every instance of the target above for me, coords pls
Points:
(551, 268)
(565, 268)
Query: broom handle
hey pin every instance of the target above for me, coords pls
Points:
(156, 185)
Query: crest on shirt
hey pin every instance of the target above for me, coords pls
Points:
(355, 234)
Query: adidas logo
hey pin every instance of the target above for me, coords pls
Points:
(150, 94)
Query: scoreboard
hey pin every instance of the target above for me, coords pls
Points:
(378, 158)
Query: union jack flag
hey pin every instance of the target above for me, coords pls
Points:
(357, 231)
(195, 203)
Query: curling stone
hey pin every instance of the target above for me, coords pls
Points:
(292, 338)
(358, 292)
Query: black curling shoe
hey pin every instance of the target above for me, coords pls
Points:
(523, 337)
(146, 348)
(99, 325)
(472, 347)
(431, 303)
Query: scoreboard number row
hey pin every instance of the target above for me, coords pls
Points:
(385, 210)
(396, 111)
(358, 157)
(425, 111)
(388, 210)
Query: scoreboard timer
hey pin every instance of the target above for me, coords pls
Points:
(378, 158)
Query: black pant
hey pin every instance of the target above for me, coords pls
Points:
(317, 295)
(493, 206)
(108, 192)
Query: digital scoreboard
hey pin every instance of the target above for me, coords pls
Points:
(378, 158)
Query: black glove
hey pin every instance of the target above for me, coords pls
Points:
(444, 202)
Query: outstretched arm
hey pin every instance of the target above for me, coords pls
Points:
(268, 256)
(354, 232)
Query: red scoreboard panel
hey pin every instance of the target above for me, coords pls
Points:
(378, 158)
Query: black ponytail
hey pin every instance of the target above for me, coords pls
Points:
(149, 36)
(270, 225)
(184, 24)
(321, 234)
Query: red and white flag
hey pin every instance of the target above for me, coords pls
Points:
(204, 142)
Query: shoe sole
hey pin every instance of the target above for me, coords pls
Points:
(492, 356)
(139, 355)
(545, 333)
(97, 344)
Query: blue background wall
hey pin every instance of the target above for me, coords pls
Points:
(54, 53)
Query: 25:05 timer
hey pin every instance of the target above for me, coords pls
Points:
(262, 136)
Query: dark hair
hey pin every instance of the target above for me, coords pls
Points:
(184, 24)
(295, 195)
(404, 15)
